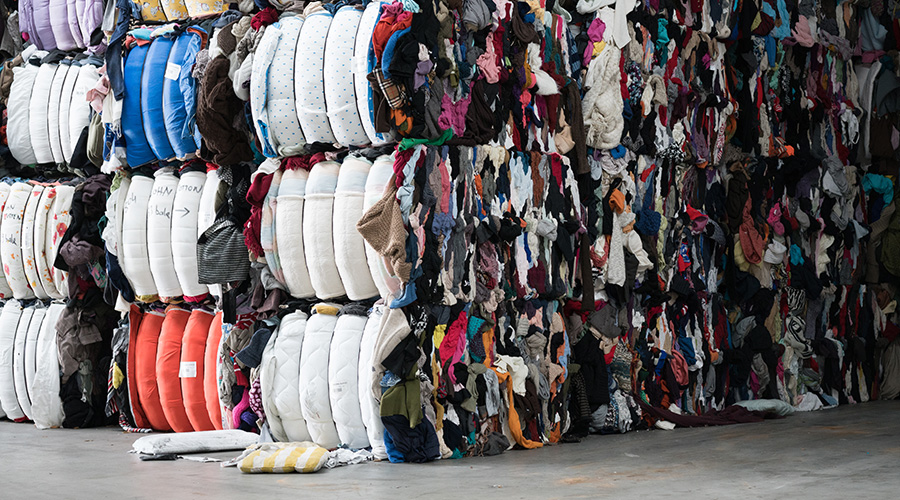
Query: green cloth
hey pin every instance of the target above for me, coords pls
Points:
(403, 399)
(470, 404)
(439, 141)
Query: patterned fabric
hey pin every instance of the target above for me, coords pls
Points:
(256, 400)
(796, 299)
(394, 93)
(29, 248)
(310, 90)
(10, 245)
(204, 7)
(281, 104)
(340, 93)
(262, 60)
(174, 9)
(283, 457)
(151, 10)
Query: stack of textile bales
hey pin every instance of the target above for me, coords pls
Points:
(439, 229)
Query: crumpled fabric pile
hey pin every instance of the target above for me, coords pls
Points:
(717, 169)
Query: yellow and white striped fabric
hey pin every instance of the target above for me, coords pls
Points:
(284, 457)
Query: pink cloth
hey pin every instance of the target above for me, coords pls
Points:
(802, 33)
(775, 219)
(244, 405)
(487, 62)
(454, 344)
(454, 114)
(595, 34)
(96, 95)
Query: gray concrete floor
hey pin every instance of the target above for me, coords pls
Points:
(848, 452)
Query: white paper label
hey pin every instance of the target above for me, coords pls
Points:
(172, 71)
(188, 369)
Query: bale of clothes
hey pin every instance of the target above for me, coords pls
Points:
(557, 217)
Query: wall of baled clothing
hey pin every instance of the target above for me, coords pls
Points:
(555, 217)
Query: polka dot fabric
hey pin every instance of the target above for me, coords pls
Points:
(310, 81)
(361, 66)
(284, 126)
(340, 93)
(262, 60)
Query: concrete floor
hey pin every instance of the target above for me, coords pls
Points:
(851, 451)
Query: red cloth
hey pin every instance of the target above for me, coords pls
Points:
(168, 365)
(193, 350)
(264, 17)
(393, 18)
(255, 197)
(210, 377)
(146, 347)
(305, 162)
(135, 316)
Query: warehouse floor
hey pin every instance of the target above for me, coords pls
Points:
(851, 450)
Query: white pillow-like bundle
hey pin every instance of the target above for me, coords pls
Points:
(30, 360)
(369, 407)
(267, 371)
(65, 111)
(46, 406)
(120, 195)
(362, 64)
(314, 398)
(309, 79)
(378, 179)
(57, 223)
(340, 92)
(267, 237)
(289, 228)
(29, 250)
(159, 233)
(41, 264)
(262, 61)
(38, 112)
(56, 88)
(134, 258)
(80, 109)
(280, 380)
(5, 291)
(318, 234)
(30, 320)
(349, 248)
(212, 197)
(281, 105)
(9, 322)
(18, 132)
(11, 241)
(41, 224)
(343, 381)
(185, 212)
(195, 442)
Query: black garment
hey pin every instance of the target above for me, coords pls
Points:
(730, 415)
(252, 354)
(586, 352)
(418, 444)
